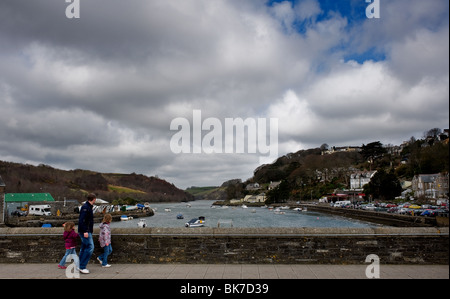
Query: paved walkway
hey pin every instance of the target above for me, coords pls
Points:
(170, 271)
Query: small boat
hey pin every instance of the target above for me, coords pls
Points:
(244, 207)
(142, 223)
(167, 210)
(278, 211)
(253, 210)
(131, 208)
(297, 209)
(125, 218)
(285, 208)
(196, 222)
(180, 216)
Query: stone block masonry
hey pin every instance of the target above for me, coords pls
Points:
(418, 245)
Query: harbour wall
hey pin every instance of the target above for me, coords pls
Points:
(383, 218)
(419, 245)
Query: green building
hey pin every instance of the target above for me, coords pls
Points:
(28, 197)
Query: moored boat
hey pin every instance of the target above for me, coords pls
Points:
(142, 223)
(196, 222)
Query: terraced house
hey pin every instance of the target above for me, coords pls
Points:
(431, 185)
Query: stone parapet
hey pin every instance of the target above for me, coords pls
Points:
(394, 245)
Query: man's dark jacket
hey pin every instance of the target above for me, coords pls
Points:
(86, 220)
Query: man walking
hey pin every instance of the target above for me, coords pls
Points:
(85, 230)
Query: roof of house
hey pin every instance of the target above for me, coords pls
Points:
(27, 197)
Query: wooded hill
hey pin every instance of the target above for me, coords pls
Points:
(310, 174)
(75, 184)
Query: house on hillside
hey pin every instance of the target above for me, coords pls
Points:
(359, 179)
(430, 185)
(252, 187)
(341, 149)
(255, 198)
(273, 185)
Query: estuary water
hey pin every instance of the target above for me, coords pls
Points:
(239, 217)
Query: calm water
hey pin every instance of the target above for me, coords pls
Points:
(250, 217)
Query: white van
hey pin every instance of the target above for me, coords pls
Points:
(40, 210)
(340, 204)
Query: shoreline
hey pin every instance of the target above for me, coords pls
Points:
(56, 221)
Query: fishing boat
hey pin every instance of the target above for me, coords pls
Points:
(196, 222)
(125, 218)
(142, 223)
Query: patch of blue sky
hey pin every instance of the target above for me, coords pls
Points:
(354, 11)
(372, 54)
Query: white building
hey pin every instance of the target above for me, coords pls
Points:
(359, 179)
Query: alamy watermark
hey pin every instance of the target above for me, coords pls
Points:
(230, 136)
(72, 270)
(73, 9)
(373, 270)
(373, 9)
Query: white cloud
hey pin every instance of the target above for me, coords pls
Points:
(100, 92)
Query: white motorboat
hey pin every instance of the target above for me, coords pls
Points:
(142, 223)
(196, 222)
(125, 218)
(167, 210)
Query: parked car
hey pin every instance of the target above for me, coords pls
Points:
(393, 210)
(403, 211)
(429, 213)
(19, 213)
(370, 207)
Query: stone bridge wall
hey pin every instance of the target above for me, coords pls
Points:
(239, 245)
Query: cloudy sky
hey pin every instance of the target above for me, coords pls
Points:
(100, 92)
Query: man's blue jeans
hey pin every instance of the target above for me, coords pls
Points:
(104, 256)
(86, 250)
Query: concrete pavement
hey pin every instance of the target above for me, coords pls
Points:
(232, 271)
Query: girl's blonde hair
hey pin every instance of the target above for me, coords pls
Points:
(68, 226)
(107, 218)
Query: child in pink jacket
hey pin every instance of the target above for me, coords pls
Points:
(70, 241)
